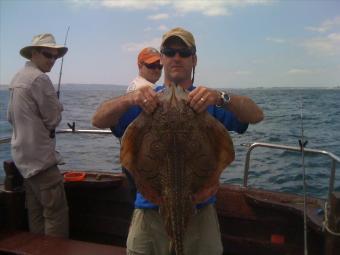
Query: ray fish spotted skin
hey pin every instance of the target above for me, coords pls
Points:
(176, 157)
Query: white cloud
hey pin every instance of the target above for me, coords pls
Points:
(206, 7)
(214, 8)
(242, 72)
(257, 61)
(159, 16)
(334, 37)
(159, 28)
(133, 4)
(163, 28)
(328, 45)
(327, 25)
(137, 46)
(275, 40)
(300, 71)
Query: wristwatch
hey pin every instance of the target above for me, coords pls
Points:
(224, 99)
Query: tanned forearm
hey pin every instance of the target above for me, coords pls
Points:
(245, 109)
(110, 111)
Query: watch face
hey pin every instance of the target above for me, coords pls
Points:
(226, 98)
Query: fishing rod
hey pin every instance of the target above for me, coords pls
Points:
(52, 133)
(302, 144)
(62, 62)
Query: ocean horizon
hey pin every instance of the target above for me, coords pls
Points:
(76, 86)
(269, 169)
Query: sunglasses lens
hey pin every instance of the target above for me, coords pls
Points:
(169, 52)
(154, 66)
(49, 55)
(184, 53)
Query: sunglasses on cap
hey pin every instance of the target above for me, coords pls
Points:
(183, 52)
(49, 55)
(154, 66)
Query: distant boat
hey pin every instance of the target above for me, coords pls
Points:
(252, 221)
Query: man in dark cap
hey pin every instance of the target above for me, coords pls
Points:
(34, 112)
(147, 233)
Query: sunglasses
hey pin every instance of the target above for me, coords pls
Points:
(49, 55)
(153, 66)
(184, 52)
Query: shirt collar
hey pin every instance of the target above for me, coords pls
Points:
(162, 87)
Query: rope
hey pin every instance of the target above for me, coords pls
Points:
(325, 223)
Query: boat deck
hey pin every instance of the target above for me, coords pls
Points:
(34, 244)
(100, 206)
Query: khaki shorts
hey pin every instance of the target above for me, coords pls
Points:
(46, 203)
(147, 234)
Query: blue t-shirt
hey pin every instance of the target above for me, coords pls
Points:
(227, 118)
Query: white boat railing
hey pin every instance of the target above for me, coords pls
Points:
(83, 131)
(5, 140)
(67, 130)
(72, 129)
(335, 159)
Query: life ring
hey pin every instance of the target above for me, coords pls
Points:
(74, 176)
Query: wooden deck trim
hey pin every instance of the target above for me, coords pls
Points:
(34, 244)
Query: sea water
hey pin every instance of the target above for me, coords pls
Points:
(288, 112)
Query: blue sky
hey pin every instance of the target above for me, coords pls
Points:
(247, 43)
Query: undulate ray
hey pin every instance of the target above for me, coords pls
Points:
(176, 157)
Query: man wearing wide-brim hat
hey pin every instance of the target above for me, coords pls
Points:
(34, 112)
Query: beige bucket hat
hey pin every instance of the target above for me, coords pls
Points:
(43, 41)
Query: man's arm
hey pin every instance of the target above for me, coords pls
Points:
(245, 109)
(46, 98)
(109, 112)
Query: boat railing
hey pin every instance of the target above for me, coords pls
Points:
(72, 129)
(4, 140)
(251, 146)
(84, 131)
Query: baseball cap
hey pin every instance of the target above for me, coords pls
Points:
(149, 55)
(181, 33)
